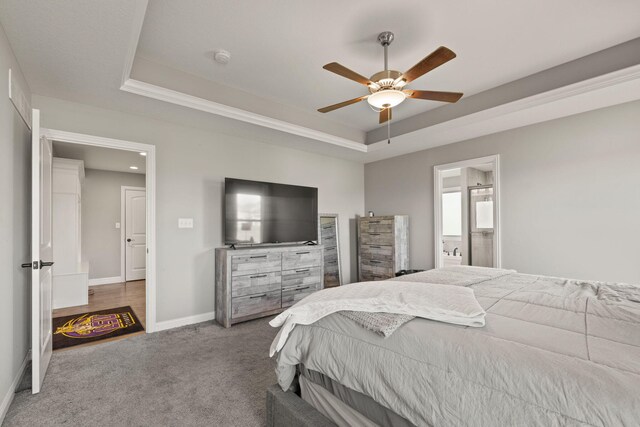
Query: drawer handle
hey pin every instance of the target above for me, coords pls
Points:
(258, 296)
(374, 234)
(375, 247)
(327, 226)
(332, 262)
(258, 276)
(374, 222)
(302, 289)
(329, 238)
(302, 253)
(302, 271)
(259, 256)
(375, 262)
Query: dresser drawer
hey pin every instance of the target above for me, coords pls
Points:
(301, 277)
(385, 239)
(376, 252)
(255, 283)
(254, 304)
(376, 226)
(256, 263)
(376, 271)
(301, 259)
(294, 294)
(384, 263)
(370, 277)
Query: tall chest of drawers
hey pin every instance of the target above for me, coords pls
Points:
(383, 246)
(258, 282)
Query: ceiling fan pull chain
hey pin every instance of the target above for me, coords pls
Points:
(388, 131)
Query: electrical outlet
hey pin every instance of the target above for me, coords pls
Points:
(185, 222)
(117, 225)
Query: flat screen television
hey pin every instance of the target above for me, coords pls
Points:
(264, 212)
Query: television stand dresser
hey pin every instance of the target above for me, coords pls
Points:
(262, 281)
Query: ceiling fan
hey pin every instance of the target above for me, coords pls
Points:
(386, 88)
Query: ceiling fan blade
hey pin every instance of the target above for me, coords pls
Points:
(343, 71)
(434, 95)
(385, 115)
(433, 60)
(342, 104)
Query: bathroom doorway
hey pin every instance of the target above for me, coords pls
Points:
(467, 214)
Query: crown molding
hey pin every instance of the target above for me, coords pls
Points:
(179, 98)
(599, 92)
(605, 90)
(138, 21)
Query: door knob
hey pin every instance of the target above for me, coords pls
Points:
(45, 264)
(128, 240)
(33, 265)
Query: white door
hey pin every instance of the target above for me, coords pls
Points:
(41, 254)
(135, 234)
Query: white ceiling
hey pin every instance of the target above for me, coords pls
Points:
(72, 49)
(106, 159)
(77, 50)
(278, 48)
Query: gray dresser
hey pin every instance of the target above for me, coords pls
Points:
(383, 246)
(258, 282)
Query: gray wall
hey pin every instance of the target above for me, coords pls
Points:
(15, 235)
(570, 194)
(100, 212)
(191, 166)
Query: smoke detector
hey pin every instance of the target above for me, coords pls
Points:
(222, 56)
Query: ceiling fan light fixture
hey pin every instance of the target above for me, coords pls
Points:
(386, 98)
(386, 87)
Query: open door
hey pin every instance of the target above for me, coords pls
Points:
(41, 253)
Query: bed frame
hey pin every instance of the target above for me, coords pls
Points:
(288, 409)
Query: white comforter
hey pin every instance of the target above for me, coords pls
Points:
(444, 303)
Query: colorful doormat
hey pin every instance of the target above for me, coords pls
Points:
(93, 326)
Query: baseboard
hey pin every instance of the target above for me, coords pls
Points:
(105, 281)
(184, 321)
(8, 398)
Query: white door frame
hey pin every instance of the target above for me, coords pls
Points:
(437, 205)
(150, 189)
(123, 231)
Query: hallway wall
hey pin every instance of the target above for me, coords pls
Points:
(100, 212)
(15, 231)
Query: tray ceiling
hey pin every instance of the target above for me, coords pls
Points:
(278, 48)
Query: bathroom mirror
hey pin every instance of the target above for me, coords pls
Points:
(329, 237)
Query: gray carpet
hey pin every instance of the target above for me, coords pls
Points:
(191, 376)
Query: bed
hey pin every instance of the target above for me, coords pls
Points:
(553, 351)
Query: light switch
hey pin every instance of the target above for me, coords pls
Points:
(117, 225)
(185, 222)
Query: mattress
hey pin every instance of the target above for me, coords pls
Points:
(348, 407)
(553, 352)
